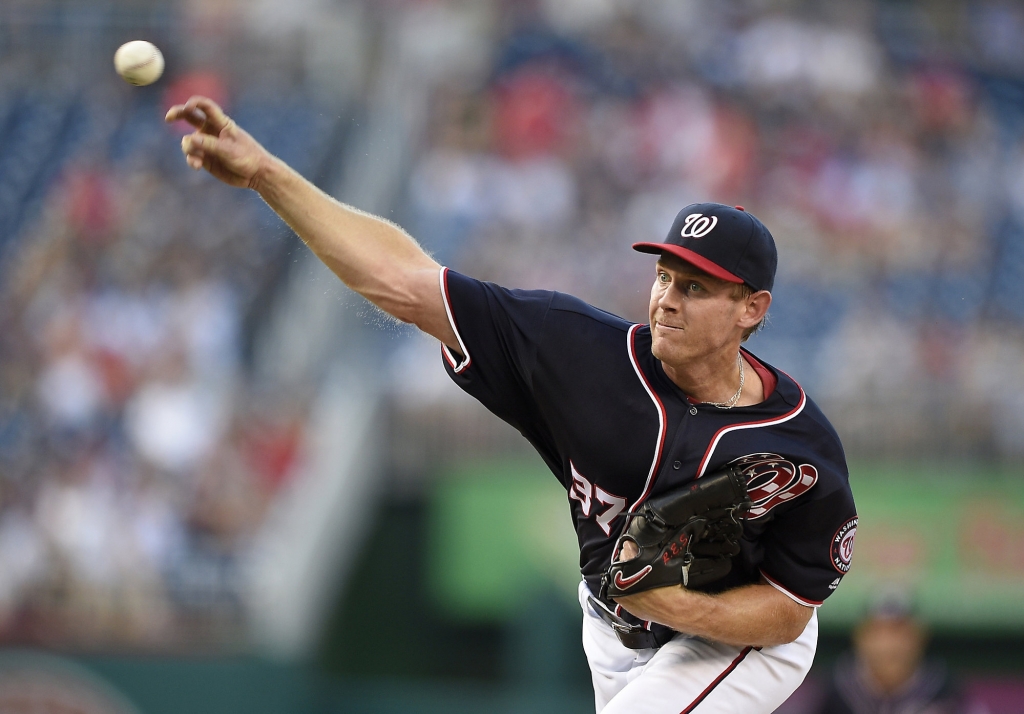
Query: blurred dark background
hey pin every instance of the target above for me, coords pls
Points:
(227, 484)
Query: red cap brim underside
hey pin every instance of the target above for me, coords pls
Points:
(690, 257)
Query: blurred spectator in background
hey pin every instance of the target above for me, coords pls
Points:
(887, 672)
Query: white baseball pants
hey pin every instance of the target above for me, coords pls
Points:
(689, 675)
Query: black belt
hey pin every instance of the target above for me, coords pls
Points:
(635, 637)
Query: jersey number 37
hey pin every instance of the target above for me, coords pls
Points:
(595, 498)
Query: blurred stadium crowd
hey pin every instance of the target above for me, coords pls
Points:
(137, 454)
(882, 143)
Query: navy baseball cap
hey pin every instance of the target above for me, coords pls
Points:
(723, 241)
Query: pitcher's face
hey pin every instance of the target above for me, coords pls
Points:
(693, 314)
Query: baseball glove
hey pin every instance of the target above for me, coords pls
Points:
(687, 536)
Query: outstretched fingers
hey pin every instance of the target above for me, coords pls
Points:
(218, 144)
(202, 113)
(192, 115)
(216, 119)
(196, 146)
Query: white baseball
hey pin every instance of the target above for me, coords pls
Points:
(139, 62)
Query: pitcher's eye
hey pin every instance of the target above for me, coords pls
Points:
(663, 277)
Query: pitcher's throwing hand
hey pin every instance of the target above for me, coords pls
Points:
(218, 144)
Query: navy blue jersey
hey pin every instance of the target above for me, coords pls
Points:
(583, 387)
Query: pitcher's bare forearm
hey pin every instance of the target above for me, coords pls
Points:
(371, 255)
(756, 615)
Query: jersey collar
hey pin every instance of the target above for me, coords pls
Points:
(770, 377)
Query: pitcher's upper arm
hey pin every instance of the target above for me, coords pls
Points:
(422, 303)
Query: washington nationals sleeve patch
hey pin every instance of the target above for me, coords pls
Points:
(842, 546)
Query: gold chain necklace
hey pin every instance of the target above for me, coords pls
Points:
(736, 397)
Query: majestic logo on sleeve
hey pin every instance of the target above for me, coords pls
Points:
(842, 545)
(772, 480)
(697, 225)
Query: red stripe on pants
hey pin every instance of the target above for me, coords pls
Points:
(718, 680)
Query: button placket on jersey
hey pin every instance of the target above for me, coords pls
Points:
(671, 468)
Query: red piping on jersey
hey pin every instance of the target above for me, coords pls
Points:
(749, 425)
(631, 348)
(456, 367)
(718, 680)
(792, 595)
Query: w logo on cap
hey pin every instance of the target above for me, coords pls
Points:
(697, 225)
